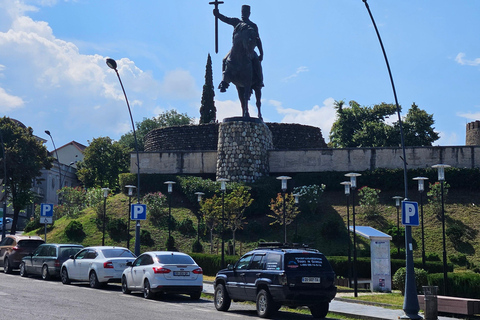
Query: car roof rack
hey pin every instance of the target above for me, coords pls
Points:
(280, 245)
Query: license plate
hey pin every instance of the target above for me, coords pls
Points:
(310, 280)
(181, 273)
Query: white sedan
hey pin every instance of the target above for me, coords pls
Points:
(163, 272)
(97, 265)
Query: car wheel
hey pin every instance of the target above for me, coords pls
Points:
(222, 299)
(23, 271)
(64, 276)
(45, 273)
(320, 310)
(147, 291)
(265, 304)
(195, 295)
(124, 286)
(6, 266)
(93, 280)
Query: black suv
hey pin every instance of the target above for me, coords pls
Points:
(274, 275)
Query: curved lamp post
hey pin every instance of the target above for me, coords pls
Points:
(169, 190)
(105, 195)
(441, 178)
(58, 161)
(346, 184)
(421, 189)
(284, 180)
(223, 189)
(353, 185)
(397, 204)
(112, 64)
(130, 194)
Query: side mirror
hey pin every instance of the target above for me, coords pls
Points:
(230, 267)
(129, 264)
(71, 257)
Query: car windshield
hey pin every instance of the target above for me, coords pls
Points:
(116, 253)
(29, 243)
(302, 261)
(175, 259)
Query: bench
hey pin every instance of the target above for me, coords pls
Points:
(454, 305)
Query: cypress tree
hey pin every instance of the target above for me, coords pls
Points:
(208, 112)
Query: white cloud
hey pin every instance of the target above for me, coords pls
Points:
(319, 116)
(448, 139)
(297, 72)
(9, 102)
(469, 115)
(460, 58)
(179, 84)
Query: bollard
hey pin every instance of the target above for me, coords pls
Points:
(431, 307)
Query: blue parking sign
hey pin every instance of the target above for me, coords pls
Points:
(138, 211)
(410, 213)
(46, 213)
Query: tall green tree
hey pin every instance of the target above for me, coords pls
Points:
(358, 126)
(208, 112)
(104, 159)
(166, 119)
(25, 156)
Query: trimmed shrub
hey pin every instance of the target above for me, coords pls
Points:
(186, 227)
(211, 263)
(465, 284)
(146, 238)
(74, 231)
(170, 244)
(33, 224)
(398, 280)
(197, 247)
(117, 230)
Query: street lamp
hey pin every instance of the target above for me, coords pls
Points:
(297, 200)
(105, 195)
(4, 180)
(199, 199)
(346, 184)
(284, 180)
(441, 178)
(58, 161)
(353, 184)
(223, 189)
(397, 204)
(130, 194)
(421, 189)
(169, 190)
(112, 64)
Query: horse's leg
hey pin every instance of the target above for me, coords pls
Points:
(258, 96)
(241, 96)
(246, 97)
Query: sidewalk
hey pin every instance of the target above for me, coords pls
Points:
(355, 310)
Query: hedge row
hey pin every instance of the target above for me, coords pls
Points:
(465, 284)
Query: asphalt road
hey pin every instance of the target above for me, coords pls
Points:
(33, 298)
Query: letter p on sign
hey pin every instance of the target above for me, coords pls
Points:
(410, 213)
(138, 212)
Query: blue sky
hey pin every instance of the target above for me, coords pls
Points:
(53, 74)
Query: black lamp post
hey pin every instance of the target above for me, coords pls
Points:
(105, 195)
(284, 180)
(421, 189)
(397, 205)
(441, 178)
(4, 180)
(112, 64)
(346, 184)
(223, 189)
(199, 199)
(130, 194)
(169, 190)
(58, 161)
(297, 200)
(353, 184)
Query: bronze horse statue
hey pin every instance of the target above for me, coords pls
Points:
(239, 68)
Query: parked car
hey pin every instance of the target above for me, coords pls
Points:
(14, 247)
(274, 275)
(163, 272)
(8, 223)
(47, 259)
(97, 265)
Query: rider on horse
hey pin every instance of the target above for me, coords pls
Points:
(239, 26)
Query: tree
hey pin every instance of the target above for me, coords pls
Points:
(207, 109)
(167, 119)
(25, 156)
(104, 159)
(276, 206)
(235, 204)
(359, 126)
(212, 210)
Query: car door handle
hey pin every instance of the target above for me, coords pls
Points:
(258, 274)
(242, 274)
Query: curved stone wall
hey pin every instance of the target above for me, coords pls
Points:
(204, 137)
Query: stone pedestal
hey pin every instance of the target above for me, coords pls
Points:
(242, 152)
